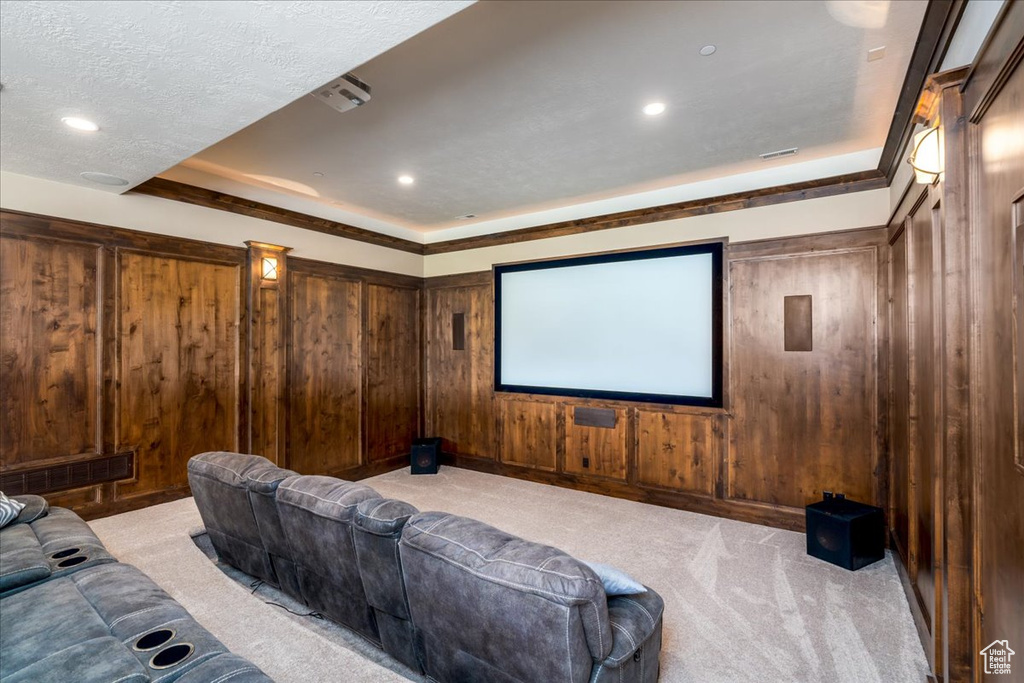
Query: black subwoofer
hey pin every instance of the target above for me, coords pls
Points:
(426, 456)
(845, 533)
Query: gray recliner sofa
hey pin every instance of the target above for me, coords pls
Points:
(221, 482)
(70, 612)
(493, 607)
(317, 516)
(378, 529)
(44, 543)
(450, 596)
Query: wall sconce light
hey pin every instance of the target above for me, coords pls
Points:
(927, 157)
(269, 264)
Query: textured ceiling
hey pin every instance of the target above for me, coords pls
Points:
(509, 108)
(164, 80)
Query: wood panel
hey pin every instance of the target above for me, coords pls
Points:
(265, 359)
(678, 451)
(179, 381)
(597, 451)
(899, 401)
(391, 409)
(924, 428)
(804, 422)
(49, 362)
(460, 382)
(997, 203)
(324, 374)
(529, 433)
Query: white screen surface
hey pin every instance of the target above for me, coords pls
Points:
(638, 326)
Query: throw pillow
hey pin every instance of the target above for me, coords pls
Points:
(9, 510)
(616, 581)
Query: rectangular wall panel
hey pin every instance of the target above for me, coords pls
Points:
(678, 451)
(529, 433)
(324, 374)
(179, 379)
(460, 382)
(392, 371)
(597, 451)
(804, 422)
(49, 374)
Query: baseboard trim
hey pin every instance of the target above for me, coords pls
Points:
(791, 519)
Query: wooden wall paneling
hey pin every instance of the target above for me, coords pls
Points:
(179, 382)
(679, 451)
(899, 400)
(597, 451)
(324, 373)
(460, 383)
(529, 433)
(995, 101)
(266, 353)
(925, 245)
(392, 403)
(808, 421)
(50, 369)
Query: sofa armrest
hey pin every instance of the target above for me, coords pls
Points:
(35, 507)
(383, 516)
(636, 638)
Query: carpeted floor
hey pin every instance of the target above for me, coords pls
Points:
(742, 602)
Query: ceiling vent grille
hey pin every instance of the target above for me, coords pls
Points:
(343, 94)
(768, 156)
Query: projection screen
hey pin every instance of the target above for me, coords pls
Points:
(641, 325)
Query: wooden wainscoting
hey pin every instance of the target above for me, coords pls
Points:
(143, 350)
(795, 423)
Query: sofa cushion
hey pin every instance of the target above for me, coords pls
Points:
(383, 517)
(98, 660)
(616, 581)
(55, 545)
(537, 613)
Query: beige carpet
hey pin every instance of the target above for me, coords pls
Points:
(742, 602)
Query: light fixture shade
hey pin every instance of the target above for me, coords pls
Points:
(927, 157)
(269, 264)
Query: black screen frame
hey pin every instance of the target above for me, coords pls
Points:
(716, 249)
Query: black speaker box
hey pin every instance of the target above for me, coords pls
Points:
(426, 456)
(845, 533)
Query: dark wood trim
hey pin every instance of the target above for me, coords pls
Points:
(373, 277)
(756, 513)
(22, 224)
(920, 621)
(190, 194)
(999, 55)
(472, 279)
(810, 189)
(120, 505)
(801, 244)
(940, 21)
(371, 469)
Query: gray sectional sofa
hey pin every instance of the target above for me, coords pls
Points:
(70, 612)
(448, 596)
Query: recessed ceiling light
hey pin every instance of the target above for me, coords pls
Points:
(318, 174)
(654, 108)
(80, 124)
(708, 50)
(104, 178)
(406, 179)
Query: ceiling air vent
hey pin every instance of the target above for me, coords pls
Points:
(768, 156)
(343, 94)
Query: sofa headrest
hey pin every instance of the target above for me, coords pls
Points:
(383, 517)
(493, 555)
(324, 496)
(228, 468)
(266, 478)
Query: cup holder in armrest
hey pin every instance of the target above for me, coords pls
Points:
(71, 561)
(64, 553)
(169, 656)
(153, 639)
